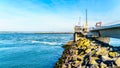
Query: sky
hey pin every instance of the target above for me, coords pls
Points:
(55, 15)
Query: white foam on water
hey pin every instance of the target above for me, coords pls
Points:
(49, 43)
(34, 41)
(25, 48)
(6, 42)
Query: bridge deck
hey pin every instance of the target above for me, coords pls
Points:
(116, 26)
(106, 31)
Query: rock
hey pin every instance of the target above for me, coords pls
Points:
(86, 53)
(69, 66)
(76, 52)
(70, 43)
(102, 51)
(87, 50)
(106, 58)
(113, 54)
(64, 66)
(103, 65)
(118, 62)
(93, 61)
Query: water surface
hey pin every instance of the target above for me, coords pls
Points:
(114, 41)
(18, 50)
(23, 50)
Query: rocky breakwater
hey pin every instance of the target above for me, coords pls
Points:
(86, 53)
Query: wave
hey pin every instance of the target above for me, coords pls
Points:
(48, 43)
(15, 49)
(10, 43)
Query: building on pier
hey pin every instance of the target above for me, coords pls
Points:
(80, 31)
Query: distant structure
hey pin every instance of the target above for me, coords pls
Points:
(80, 31)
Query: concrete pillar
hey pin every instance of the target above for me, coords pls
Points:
(75, 37)
(103, 39)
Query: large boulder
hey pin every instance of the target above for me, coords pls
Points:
(113, 54)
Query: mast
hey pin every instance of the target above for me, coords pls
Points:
(86, 19)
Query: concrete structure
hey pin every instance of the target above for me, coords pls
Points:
(104, 33)
(80, 32)
(101, 33)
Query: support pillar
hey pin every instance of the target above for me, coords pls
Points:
(75, 37)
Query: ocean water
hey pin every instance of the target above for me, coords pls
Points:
(114, 41)
(20, 50)
(23, 50)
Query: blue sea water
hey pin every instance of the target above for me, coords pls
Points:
(20, 50)
(114, 42)
(27, 50)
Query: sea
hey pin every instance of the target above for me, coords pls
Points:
(33, 50)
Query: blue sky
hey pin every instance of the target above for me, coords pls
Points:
(55, 15)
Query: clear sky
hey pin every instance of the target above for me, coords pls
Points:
(55, 15)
